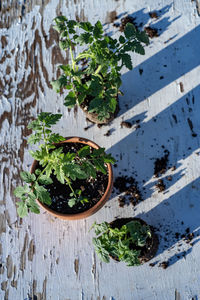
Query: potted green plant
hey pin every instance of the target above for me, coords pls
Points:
(127, 239)
(93, 77)
(70, 177)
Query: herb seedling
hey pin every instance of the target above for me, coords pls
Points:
(67, 167)
(123, 244)
(95, 83)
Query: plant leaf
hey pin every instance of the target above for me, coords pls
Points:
(84, 151)
(21, 191)
(44, 179)
(22, 209)
(126, 60)
(129, 30)
(27, 177)
(43, 194)
(70, 100)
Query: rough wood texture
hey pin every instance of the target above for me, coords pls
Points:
(44, 258)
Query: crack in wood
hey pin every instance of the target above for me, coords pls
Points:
(76, 266)
(9, 266)
(31, 250)
(23, 254)
(4, 285)
(198, 7)
(2, 223)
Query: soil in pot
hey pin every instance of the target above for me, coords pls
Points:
(93, 189)
(151, 247)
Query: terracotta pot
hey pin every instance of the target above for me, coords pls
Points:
(152, 243)
(99, 204)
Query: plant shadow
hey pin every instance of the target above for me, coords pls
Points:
(169, 131)
(169, 64)
(176, 221)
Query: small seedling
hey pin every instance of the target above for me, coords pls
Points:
(67, 167)
(123, 244)
(93, 78)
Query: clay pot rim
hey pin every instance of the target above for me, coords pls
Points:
(99, 204)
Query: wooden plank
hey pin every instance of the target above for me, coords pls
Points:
(52, 259)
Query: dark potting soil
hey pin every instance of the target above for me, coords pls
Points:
(126, 124)
(128, 186)
(153, 15)
(151, 247)
(125, 20)
(91, 188)
(160, 185)
(160, 165)
(151, 32)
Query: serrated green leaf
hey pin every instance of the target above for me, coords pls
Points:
(31, 203)
(122, 39)
(98, 152)
(43, 179)
(84, 38)
(86, 26)
(22, 209)
(21, 191)
(101, 228)
(27, 177)
(35, 125)
(34, 138)
(49, 169)
(142, 37)
(56, 85)
(70, 100)
(59, 172)
(129, 30)
(126, 60)
(139, 49)
(56, 138)
(48, 118)
(113, 104)
(64, 44)
(89, 169)
(84, 151)
(38, 171)
(108, 159)
(66, 69)
(60, 83)
(98, 30)
(43, 194)
(60, 19)
(71, 202)
(99, 164)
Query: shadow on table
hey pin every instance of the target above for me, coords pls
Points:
(161, 69)
(177, 222)
(175, 129)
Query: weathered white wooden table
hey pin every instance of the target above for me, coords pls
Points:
(42, 257)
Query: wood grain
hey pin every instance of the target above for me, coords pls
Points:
(43, 257)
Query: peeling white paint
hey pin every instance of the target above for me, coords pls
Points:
(54, 259)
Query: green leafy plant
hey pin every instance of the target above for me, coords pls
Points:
(96, 84)
(67, 167)
(123, 244)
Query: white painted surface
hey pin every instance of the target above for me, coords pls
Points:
(39, 254)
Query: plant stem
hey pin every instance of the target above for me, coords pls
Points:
(69, 184)
(71, 52)
(45, 138)
(98, 69)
